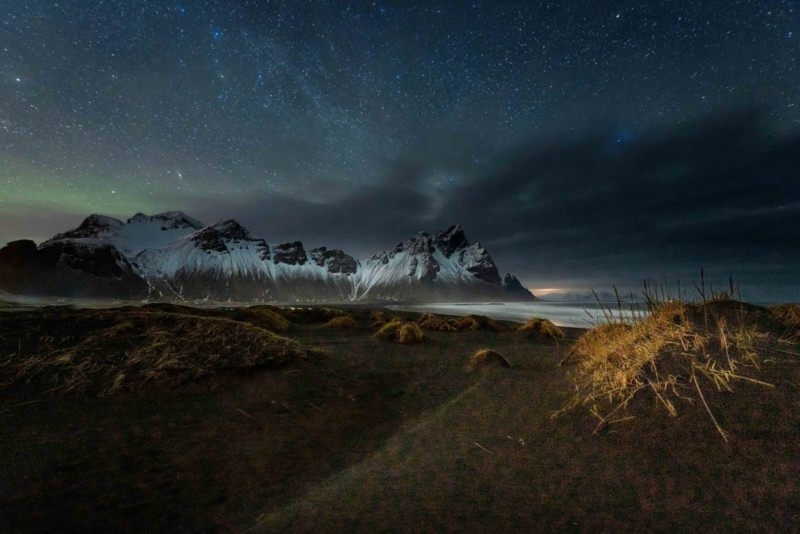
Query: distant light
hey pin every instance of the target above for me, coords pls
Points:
(546, 290)
(18, 79)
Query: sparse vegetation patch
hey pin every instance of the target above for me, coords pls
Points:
(103, 352)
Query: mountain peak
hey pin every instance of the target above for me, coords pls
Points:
(291, 254)
(170, 220)
(512, 284)
(217, 236)
(92, 227)
(451, 240)
(230, 229)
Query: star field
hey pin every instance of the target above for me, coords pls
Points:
(210, 106)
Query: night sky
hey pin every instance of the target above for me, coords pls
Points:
(583, 143)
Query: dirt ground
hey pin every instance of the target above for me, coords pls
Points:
(375, 436)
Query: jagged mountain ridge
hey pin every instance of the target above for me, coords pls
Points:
(172, 255)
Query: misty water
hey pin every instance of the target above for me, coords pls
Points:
(580, 315)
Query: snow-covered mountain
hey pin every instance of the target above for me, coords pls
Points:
(141, 232)
(441, 267)
(171, 255)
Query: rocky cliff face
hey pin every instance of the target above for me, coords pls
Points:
(171, 255)
(336, 261)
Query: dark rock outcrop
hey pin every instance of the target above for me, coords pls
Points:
(451, 240)
(337, 261)
(290, 254)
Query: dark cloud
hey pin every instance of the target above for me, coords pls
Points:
(721, 192)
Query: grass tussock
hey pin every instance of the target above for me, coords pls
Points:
(670, 353)
(344, 321)
(542, 328)
(477, 322)
(431, 322)
(103, 352)
(487, 358)
(261, 316)
(399, 331)
(789, 316)
(378, 318)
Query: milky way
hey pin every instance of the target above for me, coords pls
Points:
(355, 124)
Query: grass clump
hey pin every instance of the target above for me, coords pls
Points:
(487, 358)
(429, 321)
(378, 318)
(399, 331)
(670, 353)
(103, 352)
(477, 322)
(261, 316)
(345, 321)
(542, 328)
(789, 316)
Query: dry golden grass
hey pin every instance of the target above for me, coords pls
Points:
(400, 331)
(666, 353)
(341, 322)
(378, 318)
(477, 322)
(106, 351)
(542, 328)
(789, 315)
(486, 358)
(262, 316)
(429, 321)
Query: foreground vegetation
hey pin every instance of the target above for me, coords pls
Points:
(675, 352)
(299, 419)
